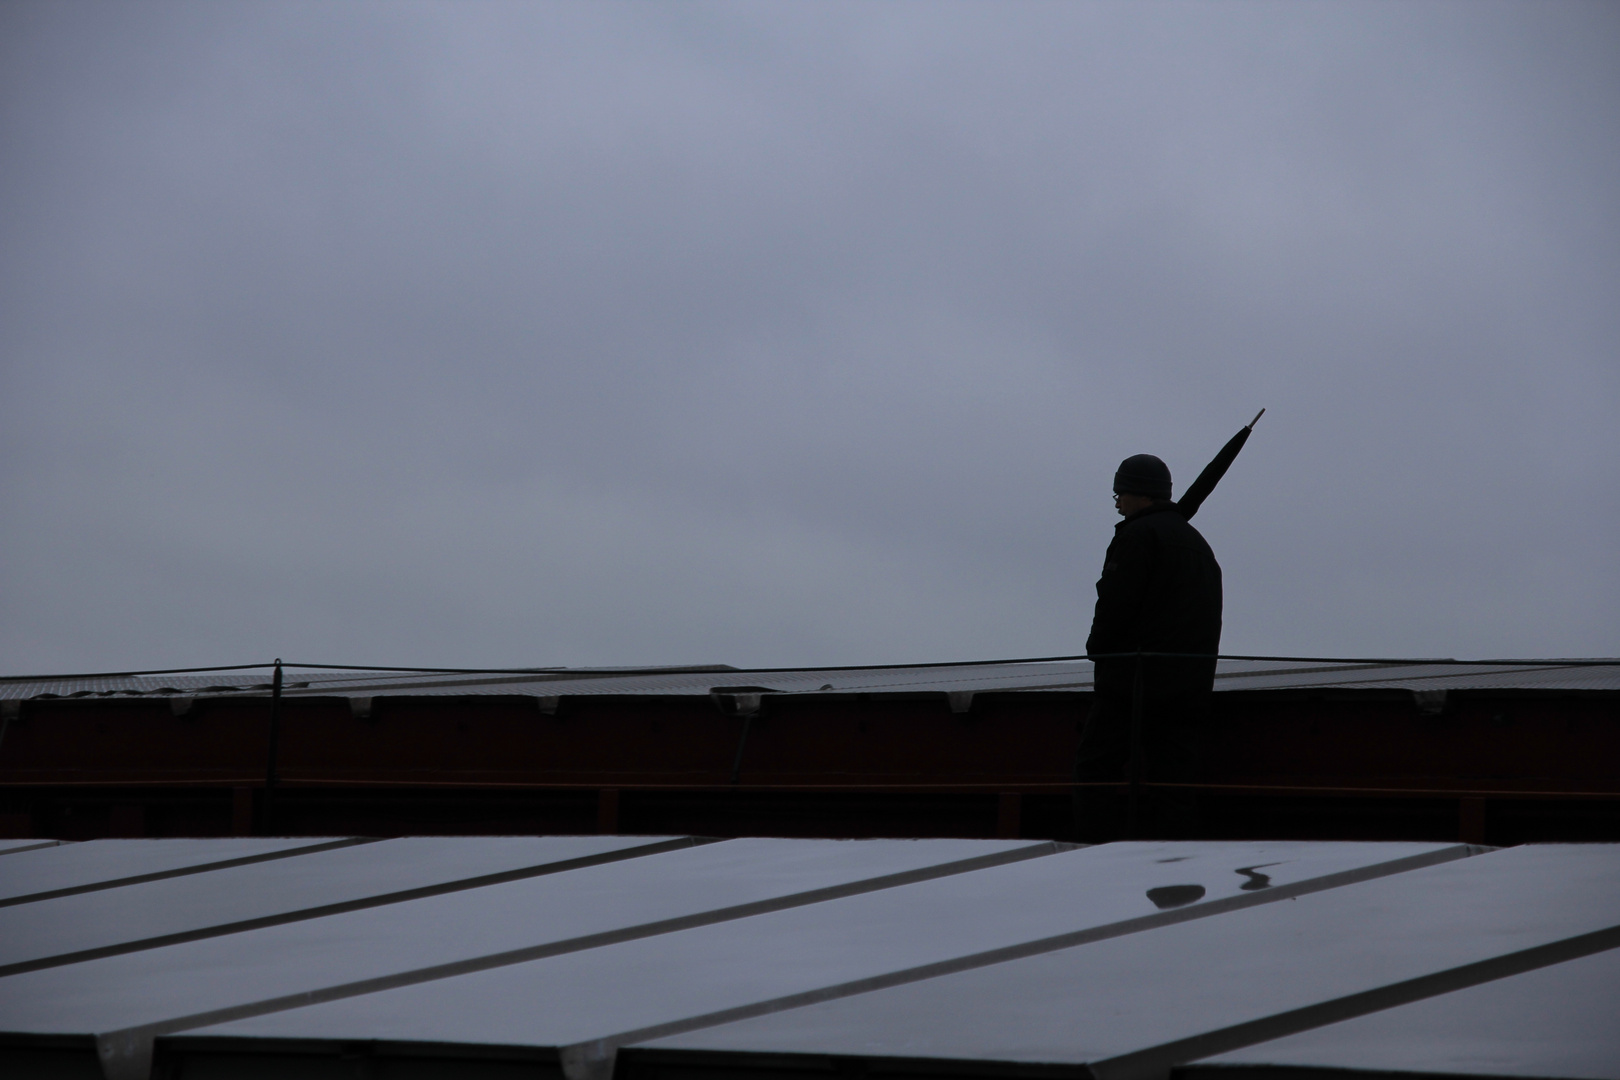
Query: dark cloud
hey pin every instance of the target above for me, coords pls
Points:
(642, 333)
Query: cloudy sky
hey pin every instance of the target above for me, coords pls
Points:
(498, 334)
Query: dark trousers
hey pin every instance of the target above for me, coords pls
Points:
(1172, 732)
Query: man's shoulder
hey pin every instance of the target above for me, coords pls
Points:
(1158, 518)
(1160, 522)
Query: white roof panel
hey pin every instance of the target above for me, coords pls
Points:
(556, 913)
(1561, 1021)
(616, 993)
(31, 875)
(1129, 1003)
(285, 889)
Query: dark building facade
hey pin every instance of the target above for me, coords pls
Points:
(1497, 754)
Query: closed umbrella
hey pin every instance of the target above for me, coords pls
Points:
(1199, 489)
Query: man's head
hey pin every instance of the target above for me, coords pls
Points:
(1141, 481)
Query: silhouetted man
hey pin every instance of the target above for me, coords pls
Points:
(1160, 592)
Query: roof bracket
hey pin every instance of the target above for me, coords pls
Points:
(736, 704)
(1430, 702)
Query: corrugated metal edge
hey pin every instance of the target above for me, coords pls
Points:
(1231, 675)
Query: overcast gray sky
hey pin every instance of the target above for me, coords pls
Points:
(642, 333)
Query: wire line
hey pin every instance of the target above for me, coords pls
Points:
(694, 669)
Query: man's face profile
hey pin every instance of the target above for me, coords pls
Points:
(1128, 504)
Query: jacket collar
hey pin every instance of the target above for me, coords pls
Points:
(1157, 508)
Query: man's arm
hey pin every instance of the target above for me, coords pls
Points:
(1116, 626)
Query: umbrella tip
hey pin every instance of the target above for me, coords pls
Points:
(1256, 419)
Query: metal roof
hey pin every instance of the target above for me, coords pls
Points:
(1138, 1005)
(624, 957)
(1582, 674)
(1493, 1028)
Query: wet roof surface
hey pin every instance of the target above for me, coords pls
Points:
(1554, 1021)
(746, 956)
(1150, 999)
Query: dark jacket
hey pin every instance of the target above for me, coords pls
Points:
(1160, 591)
